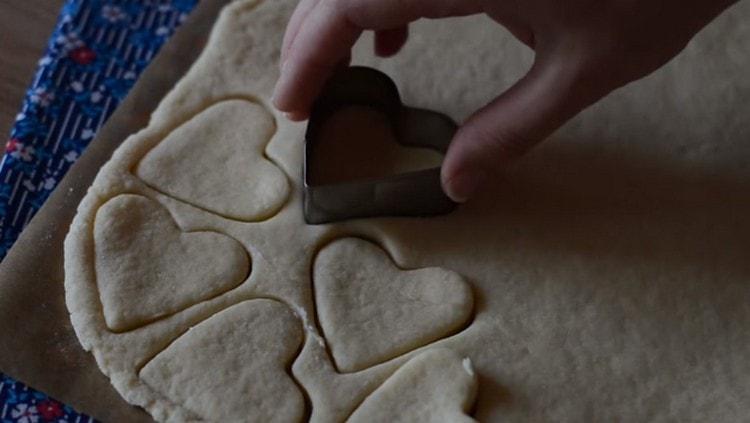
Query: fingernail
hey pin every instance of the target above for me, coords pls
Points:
(464, 185)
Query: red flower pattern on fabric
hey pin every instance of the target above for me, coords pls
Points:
(12, 145)
(82, 55)
(49, 409)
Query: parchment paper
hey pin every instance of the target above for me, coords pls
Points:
(37, 343)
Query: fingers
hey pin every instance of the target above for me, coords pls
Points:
(323, 32)
(522, 33)
(295, 22)
(387, 14)
(538, 104)
(388, 42)
(324, 39)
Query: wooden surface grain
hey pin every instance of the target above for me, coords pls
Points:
(25, 26)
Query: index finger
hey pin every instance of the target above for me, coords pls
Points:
(295, 22)
(324, 39)
(328, 32)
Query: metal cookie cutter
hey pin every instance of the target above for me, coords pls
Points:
(416, 193)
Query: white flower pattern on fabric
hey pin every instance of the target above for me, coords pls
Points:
(76, 86)
(25, 413)
(113, 14)
(49, 183)
(29, 185)
(42, 97)
(87, 133)
(71, 156)
(96, 96)
(23, 152)
(68, 41)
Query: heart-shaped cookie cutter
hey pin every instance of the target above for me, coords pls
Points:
(416, 193)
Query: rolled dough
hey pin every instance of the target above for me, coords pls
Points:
(609, 268)
(435, 386)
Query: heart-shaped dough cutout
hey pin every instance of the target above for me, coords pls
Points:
(435, 386)
(232, 367)
(215, 161)
(371, 311)
(146, 267)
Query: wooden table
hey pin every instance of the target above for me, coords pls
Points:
(25, 26)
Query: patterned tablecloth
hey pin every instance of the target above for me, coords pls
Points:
(95, 54)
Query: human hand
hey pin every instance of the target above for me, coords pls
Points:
(584, 50)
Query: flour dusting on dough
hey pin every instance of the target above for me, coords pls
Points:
(468, 366)
(309, 327)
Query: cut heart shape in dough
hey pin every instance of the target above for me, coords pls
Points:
(358, 142)
(371, 311)
(147, 267)
(215, 161)
(232, 367)
(435, 386)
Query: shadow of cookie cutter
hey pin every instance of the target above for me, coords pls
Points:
(416, 193)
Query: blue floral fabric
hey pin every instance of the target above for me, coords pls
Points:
(21, 404)
(94, 56)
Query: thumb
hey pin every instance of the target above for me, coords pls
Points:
(549, 95)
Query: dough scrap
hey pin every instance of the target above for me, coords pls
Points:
(215, 161)
(434, 386)
(371, 311)
(147, 267)
(232, 367)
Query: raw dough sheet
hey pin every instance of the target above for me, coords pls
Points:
(604, 278)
